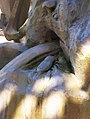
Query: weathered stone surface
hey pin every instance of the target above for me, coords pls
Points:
(34, 97)
(19, 102)
(68, 21)
(46, 64)
(34, 37)
(9, 51)
(26, 99)
(12, 95)
(63, 21)
(79, 48)
(54, 93)
(58, 19)
(29, 55)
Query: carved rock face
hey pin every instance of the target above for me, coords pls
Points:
(32, 94)
(55, 15)
(67, 20)
(70, 21)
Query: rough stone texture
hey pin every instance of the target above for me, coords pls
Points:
(9, 51)
(34, 96)
(32, 91)
(31, 55)
(69, 21)
(79, 48)
(25, 100)
(57, 17)
(58, 92)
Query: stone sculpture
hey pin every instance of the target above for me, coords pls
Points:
(53, 74)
